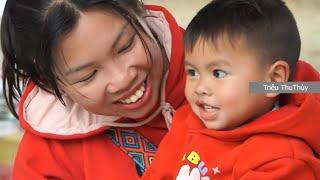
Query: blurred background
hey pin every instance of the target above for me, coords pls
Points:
(306, 12)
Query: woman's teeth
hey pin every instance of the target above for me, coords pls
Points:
(135, 97)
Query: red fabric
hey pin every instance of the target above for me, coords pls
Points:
(93, 155)
(281, 144)
(175, 82)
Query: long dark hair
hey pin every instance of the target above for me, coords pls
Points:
(31, 29)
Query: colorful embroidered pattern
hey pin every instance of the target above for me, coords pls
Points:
(140, 149)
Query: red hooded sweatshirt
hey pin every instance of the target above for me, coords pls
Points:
(70, 143)
(281, 144)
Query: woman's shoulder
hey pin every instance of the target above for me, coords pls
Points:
(95, 156)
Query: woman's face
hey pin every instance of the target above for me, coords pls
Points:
(106, 67)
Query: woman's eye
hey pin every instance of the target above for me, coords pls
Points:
(219, 73)
(128, 45)
(88, 78)
(192, 72)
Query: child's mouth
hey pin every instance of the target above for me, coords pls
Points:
(207, 112)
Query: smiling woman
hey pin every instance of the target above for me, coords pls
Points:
(87, 67)
(107, 80)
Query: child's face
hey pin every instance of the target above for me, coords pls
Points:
(217, 86)
(104, 61)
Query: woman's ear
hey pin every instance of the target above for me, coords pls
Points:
(278, 72)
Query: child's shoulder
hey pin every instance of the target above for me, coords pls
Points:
(270, 143)
(180, 115)
(183, 110)
(262, 149)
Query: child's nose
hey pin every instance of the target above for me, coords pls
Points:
(203, 87)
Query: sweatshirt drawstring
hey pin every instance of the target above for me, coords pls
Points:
(167, 112)
(166, 109)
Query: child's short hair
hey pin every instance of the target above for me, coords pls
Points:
(268, 26)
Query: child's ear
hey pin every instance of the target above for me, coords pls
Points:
(278, 72)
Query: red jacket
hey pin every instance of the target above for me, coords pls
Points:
(88, 153)
(282, 144)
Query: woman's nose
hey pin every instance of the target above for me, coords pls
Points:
(121, 80)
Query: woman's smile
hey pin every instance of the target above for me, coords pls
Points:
(137, 97)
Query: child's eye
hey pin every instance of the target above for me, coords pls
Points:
(88, 78)
(192, 72)
(219, 73)
(128, 45)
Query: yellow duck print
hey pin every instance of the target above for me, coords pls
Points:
(192, 157)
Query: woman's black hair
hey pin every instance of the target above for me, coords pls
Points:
(30, 30)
